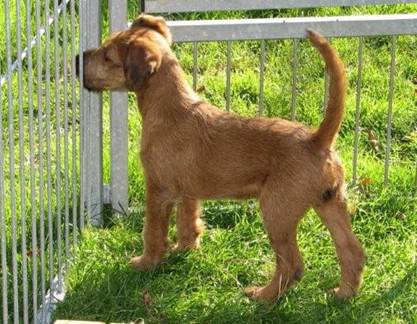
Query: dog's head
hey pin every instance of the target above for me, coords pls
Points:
(126, 60)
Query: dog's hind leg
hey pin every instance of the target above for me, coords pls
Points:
(281, 224)
(189, 224)
(155, 230)
(334, 215)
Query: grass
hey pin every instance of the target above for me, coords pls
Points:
(206, 285)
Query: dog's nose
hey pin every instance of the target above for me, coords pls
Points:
(77, 65)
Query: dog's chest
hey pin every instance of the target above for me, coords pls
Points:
(168, 158)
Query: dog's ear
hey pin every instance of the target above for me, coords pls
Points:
(143, 59)
(156, 23)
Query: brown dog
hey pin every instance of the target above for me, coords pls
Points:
(191, 150)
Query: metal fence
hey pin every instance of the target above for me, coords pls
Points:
(39, 154)
(197, 31)
(51, 131)
(291, 28)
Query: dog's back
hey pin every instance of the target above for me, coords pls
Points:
(222, 155)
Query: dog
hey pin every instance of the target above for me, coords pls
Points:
(193, 151)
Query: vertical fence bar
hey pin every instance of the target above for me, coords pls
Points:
(195, 65)
(66, 165)
(41, 180)
(31, 149)
(261, 78)
(295, 45)
(4, 287)
(11, 165)
(48, 153)
(228, 73)
(22, 178)
(57, 59)
(357, 113)
(86, 121)
(73, 128)
(119, 124)
(85, 124)
(94, 127)
(82, 103)
(389, 113)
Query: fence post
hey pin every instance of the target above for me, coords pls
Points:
(119, 123)
(92, 146)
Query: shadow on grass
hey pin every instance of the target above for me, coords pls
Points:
(226, 214)
(173, 294)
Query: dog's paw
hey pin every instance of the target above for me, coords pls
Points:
(260, 294)
(143, 262)
(343, 293)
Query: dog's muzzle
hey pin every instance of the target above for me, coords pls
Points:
(77, 71)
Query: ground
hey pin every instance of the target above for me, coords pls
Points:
(207, 285)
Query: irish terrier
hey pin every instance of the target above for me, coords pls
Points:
(193, 151)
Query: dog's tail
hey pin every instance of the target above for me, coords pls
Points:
(329, 127)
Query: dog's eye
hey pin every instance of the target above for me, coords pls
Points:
(106, 59)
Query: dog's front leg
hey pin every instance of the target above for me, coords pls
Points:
(155, 230)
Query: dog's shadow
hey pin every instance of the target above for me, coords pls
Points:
(185, 288)
(172, 293)
(226, 214)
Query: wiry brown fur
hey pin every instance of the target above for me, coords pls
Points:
(191, 151)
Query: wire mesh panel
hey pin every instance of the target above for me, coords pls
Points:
(39, 154)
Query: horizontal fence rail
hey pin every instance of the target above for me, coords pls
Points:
(283, 28)
(168, 6)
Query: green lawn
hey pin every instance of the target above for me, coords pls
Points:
(207, 285)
